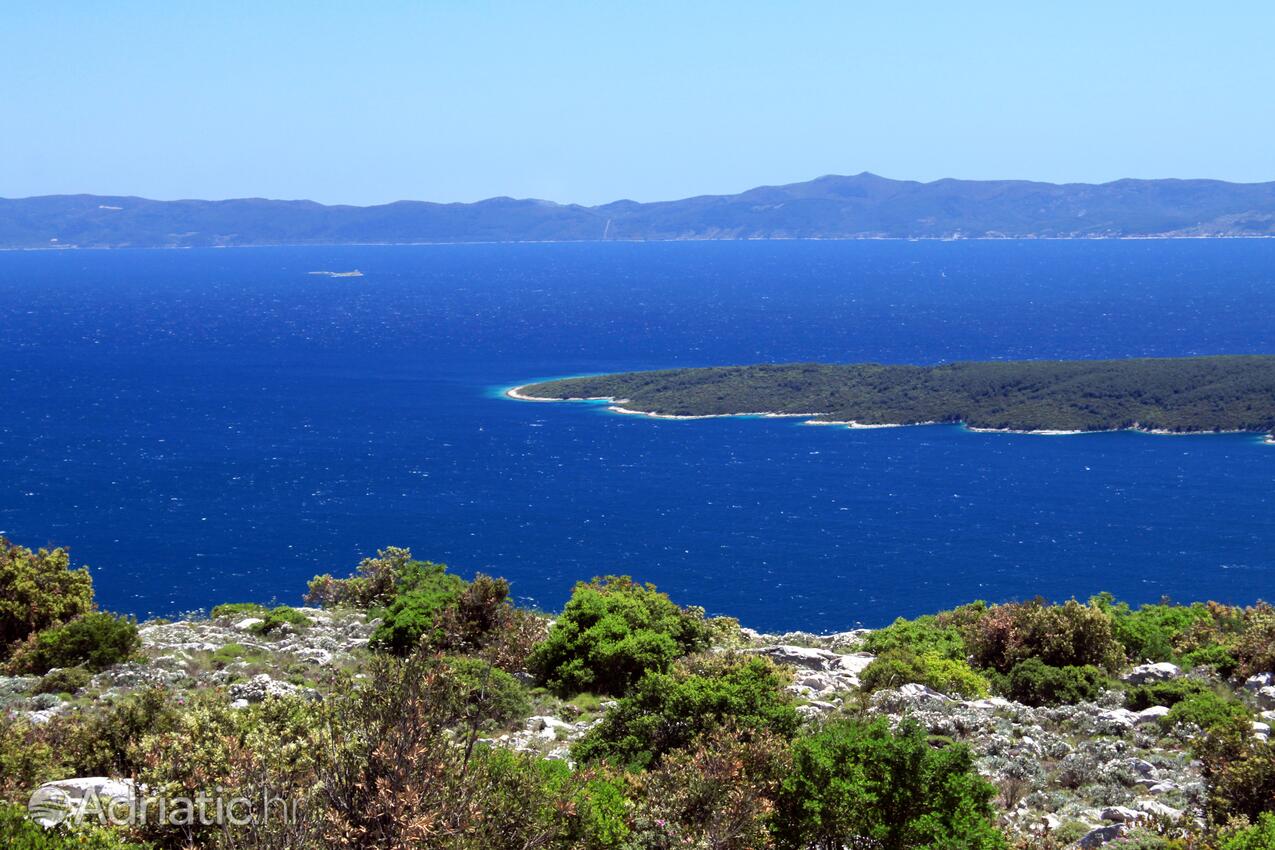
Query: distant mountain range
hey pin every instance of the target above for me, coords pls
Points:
(864, 206)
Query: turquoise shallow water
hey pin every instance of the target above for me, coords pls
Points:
(202, 426)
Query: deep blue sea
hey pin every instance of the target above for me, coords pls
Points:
(212, 425)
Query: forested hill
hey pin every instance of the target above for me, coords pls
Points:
(1171, 394)
(832, 207)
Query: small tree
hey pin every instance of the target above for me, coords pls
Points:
(612, 632)
(38, 590)
(373, 585)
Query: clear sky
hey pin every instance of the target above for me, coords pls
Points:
(367, 102)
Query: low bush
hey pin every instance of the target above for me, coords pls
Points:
(611, 633)
(667, 711)
(1168, 693)
(232, 652)
(1152, 632)
(1206, 710)
(856, 783)
(238, 610)
(19, 832)
(716, 793)
(67, 680)
(110, 740)
(1033, 682)
(1257, 836)
(922, 636)
(26, 759)
(897, 667)
(96, 641)
(278, 617)
(495, 695)
(1218, 658)
(397, 778)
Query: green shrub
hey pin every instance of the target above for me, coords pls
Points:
(666, 711)
(498, 697)
(922, 636)
(26, 759)
(424, 592)
(1238, 769)
(1067, 635)
(612, 632)
(1219, 658)
(67, 680)
(238, 610)
(232, 652)
(19, 832)
(1206, 709)
(1259, 836)
(1033, 682)
(110, 740)
(1255, 650)
(1163, 693)
(1152, 632)
(277, 618)
(897, 667)
(856, 783)
(96, 641)
(38, 590)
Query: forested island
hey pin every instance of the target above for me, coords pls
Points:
(1171, 395)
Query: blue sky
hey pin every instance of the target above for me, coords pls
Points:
(589, 102)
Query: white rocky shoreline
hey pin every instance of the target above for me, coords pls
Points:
(616, 405)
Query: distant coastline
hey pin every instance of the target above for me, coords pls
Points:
(1166, 396)
(830, 208)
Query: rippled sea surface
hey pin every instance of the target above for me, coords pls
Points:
(215, 425)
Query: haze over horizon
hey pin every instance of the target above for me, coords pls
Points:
(583, 104)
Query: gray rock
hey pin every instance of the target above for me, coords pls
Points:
(85, 796)
(1265, 697)
(1121, 814)
(1144, 674)
(1152, 714)
(1156, 809)
(1261, 680)
(262, 687)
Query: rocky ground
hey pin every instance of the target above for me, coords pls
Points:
(1089, 769)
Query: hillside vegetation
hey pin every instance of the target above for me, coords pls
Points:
(1235, 393)
(415, 709)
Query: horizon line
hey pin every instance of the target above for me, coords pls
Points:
(495, 198)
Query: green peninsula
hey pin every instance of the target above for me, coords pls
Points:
(1174, 395)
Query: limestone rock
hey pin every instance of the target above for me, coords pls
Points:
(1144, 674)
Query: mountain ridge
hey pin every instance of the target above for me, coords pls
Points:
(861, 206)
